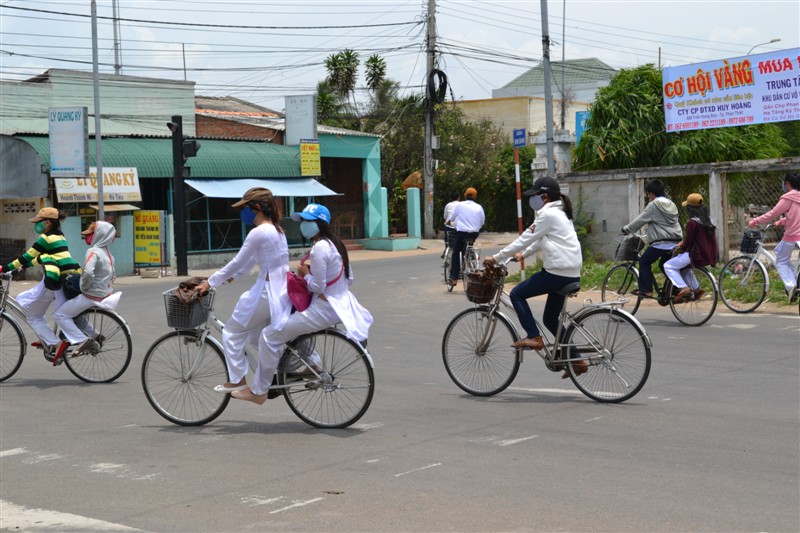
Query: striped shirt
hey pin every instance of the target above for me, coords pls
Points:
(50, 251)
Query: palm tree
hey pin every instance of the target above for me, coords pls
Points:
(376, 72)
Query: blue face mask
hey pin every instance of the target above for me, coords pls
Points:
(536, 202)
(783, 187)
(309, 229)
(248, 216)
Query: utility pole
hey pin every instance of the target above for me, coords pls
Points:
(428, 162)
(548, 93)
(117, 52)
(98, 138)
(563, 59)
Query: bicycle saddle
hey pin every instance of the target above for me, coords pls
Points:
(569, 290)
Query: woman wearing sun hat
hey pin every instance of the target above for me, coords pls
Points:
(266, 301)
(328, 276)
(52, 252)
(699, 248)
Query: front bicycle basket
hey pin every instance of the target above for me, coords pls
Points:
(629, 247)
(482, 285)
(183, 315)
(750, 239)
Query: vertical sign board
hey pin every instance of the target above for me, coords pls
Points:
(580, 124)
(148, 237)
(301, 119)
(519, 138)
(309, 158)
(69, 142)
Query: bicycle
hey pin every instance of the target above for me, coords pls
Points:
(478, 357)
(744, 280)
(181, 368)
(696, 310)
(469, 260)
(103, 362)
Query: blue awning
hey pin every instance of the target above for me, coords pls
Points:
(286, 187)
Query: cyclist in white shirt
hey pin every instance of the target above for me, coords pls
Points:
(450, 231)
(468, 217)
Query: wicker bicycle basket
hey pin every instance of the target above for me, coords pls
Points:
(482, 286)
(750, 240)
(629, 247)
(181, 315)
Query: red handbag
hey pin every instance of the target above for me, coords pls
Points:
(297, 288)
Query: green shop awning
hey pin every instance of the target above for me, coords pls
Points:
(216, 159)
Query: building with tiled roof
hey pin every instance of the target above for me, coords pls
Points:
(581, 78)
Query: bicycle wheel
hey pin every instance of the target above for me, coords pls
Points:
(618, 284)
(698, 310)
(480, 367)
(743, 284)
(12, 346)
(179, 375)
(115, 350)
(448, 258)
(469, 263)
(616, 350)
(342, 392)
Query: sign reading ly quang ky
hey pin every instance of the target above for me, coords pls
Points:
(753, 89)
(119, 185)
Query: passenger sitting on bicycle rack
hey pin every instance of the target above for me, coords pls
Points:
(328, 276)
(663, 233)
(95, 284)
(51, 251)
(788, 205)
(698, 249)
(468, 217)
(552, 234)
(449, 230)
(266, 301)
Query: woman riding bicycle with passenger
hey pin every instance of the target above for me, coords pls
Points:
(552, 234)
(266, 301)
(662, 235)
(328, 277)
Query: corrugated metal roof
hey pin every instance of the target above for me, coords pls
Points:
(216, 159)
(576, 71)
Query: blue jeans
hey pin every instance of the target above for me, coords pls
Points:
(650, 256)
(542, 282)
(458, 248)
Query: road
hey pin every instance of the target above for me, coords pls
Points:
(710, 444)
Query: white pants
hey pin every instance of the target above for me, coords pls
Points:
(241, 331)
(319, 315)
(783, 263)
(35, 302)
(673, 269)
(65, 318)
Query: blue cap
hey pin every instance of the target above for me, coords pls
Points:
(313, 212)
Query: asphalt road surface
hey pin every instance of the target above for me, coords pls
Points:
(711, 443)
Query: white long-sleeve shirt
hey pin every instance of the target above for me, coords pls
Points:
(554, 235)
(468, 217)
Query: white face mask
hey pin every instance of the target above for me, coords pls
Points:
(309, 229)
(536, 202)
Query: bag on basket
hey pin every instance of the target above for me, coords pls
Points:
(298, 291)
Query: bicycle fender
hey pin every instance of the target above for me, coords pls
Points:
(336, 332)
(643, 332)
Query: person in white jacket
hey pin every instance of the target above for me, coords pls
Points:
(329, 277)
(552, 234)
(267, 300)
(96, 286)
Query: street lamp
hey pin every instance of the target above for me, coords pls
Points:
(761, 44)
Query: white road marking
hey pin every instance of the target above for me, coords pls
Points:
(418, 469)
(555, 391)
(295, 504)
(17, 518)
(252, 501)
(733, 326)
(368, 426)
(515, 441)
(13, 451)
(41, 458)
(595, 418)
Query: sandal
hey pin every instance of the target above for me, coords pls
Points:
(640, 294)
(579, 367)
(528, 343)
(683, 295)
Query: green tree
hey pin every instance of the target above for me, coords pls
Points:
(342, 76)
(375, 72)
(626, 129)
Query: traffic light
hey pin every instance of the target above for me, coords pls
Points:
(182, 149)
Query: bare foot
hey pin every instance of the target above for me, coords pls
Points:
(248, 396)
